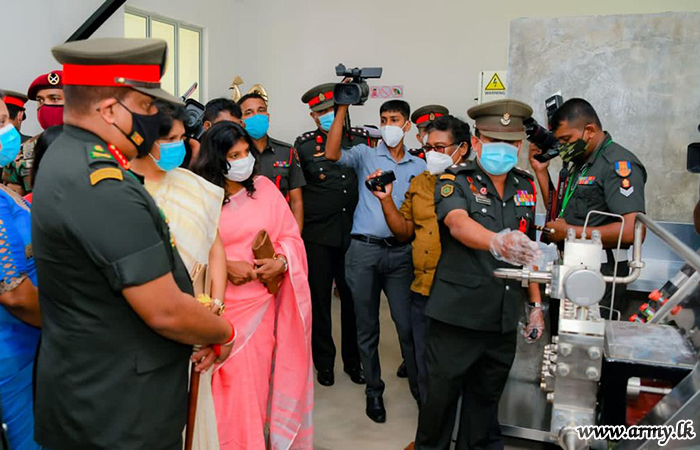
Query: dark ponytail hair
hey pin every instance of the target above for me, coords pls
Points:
(211, 163)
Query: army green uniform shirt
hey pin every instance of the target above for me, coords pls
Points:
(612, 180)
(280, 163)
(465, 293)
(104, 378)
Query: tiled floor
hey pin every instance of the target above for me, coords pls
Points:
(340, 420)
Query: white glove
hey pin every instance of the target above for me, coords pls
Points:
(514, 247)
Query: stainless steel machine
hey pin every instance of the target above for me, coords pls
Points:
(593, 367)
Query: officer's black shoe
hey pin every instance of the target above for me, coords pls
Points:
(375, 409)
(402, 372)
(325, 377)
(356, 375)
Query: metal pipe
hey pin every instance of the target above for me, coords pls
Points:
(518, 274)
(636, 262)
(681, 294)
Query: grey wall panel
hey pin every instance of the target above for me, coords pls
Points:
(642, 74)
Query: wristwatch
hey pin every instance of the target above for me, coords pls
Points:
(535, 304)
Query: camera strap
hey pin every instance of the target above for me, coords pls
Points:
(572, 182)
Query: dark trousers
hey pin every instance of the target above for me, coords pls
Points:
(475, 363)
(369, 269)
(419, 324)
(325, 265)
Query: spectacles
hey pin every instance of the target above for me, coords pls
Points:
(438, 148)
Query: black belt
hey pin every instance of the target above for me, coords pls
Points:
(386, 242)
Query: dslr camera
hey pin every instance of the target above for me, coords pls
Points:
(356, 92)
(540, 136)
(379, 182)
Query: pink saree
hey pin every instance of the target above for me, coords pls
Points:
(263, 393)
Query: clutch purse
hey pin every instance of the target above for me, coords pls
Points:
(201, 280)
(263, 249)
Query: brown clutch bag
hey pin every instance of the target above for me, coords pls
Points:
(201, 280)
(263, 249)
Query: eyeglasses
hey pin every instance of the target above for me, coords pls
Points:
(438, 148)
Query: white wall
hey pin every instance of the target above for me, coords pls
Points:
(435, 49)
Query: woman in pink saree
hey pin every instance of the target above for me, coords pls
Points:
(263, 391)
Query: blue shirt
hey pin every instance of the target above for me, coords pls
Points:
(369, 218)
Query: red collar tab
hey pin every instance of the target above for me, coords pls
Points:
(119, 156)
(112, 75)
(14, 101)
(322, 97)
(428, 117)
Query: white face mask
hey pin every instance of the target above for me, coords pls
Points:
(439, 162)
(392, 135)
(240, 169)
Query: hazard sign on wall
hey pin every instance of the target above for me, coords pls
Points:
(492, 85)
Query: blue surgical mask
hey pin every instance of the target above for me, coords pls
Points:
(171, 155)
(10, 140)
(326, 120)
(257, 125)
(498, 158)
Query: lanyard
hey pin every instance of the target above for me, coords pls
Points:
(571, 187)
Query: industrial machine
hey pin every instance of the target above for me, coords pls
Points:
(599, 370)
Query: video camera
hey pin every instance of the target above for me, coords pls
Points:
(194, 123)
(540, 136)
(357, 92)
(693, 163)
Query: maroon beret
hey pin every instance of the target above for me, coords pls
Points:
(51, 80)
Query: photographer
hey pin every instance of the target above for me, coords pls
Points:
(376, 260)
(603, 176)
(447, 144)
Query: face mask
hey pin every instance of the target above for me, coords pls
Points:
(257, 125)
(573, 150)
(498, 158)
(240, 169)
(10, 140)
(392, 135)
(50, 116)
(171, 155)
(326, 120)
(144, 130)
(438, 162)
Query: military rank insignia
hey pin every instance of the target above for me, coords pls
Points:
(623, 168)
(524, 198)
(586, 181)
(447, 190)
(625, 183)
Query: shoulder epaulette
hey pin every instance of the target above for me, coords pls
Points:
(462, 167)
(102, 164)
(305, 138)
(359, 131)
(523, 173)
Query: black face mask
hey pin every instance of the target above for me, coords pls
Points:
(145, 130)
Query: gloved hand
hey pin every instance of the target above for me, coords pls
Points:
(535, 322)
(514, 247)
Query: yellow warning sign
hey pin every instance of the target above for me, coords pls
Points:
(495, 84)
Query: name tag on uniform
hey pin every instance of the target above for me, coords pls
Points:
(482, 199)
(524, 198)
